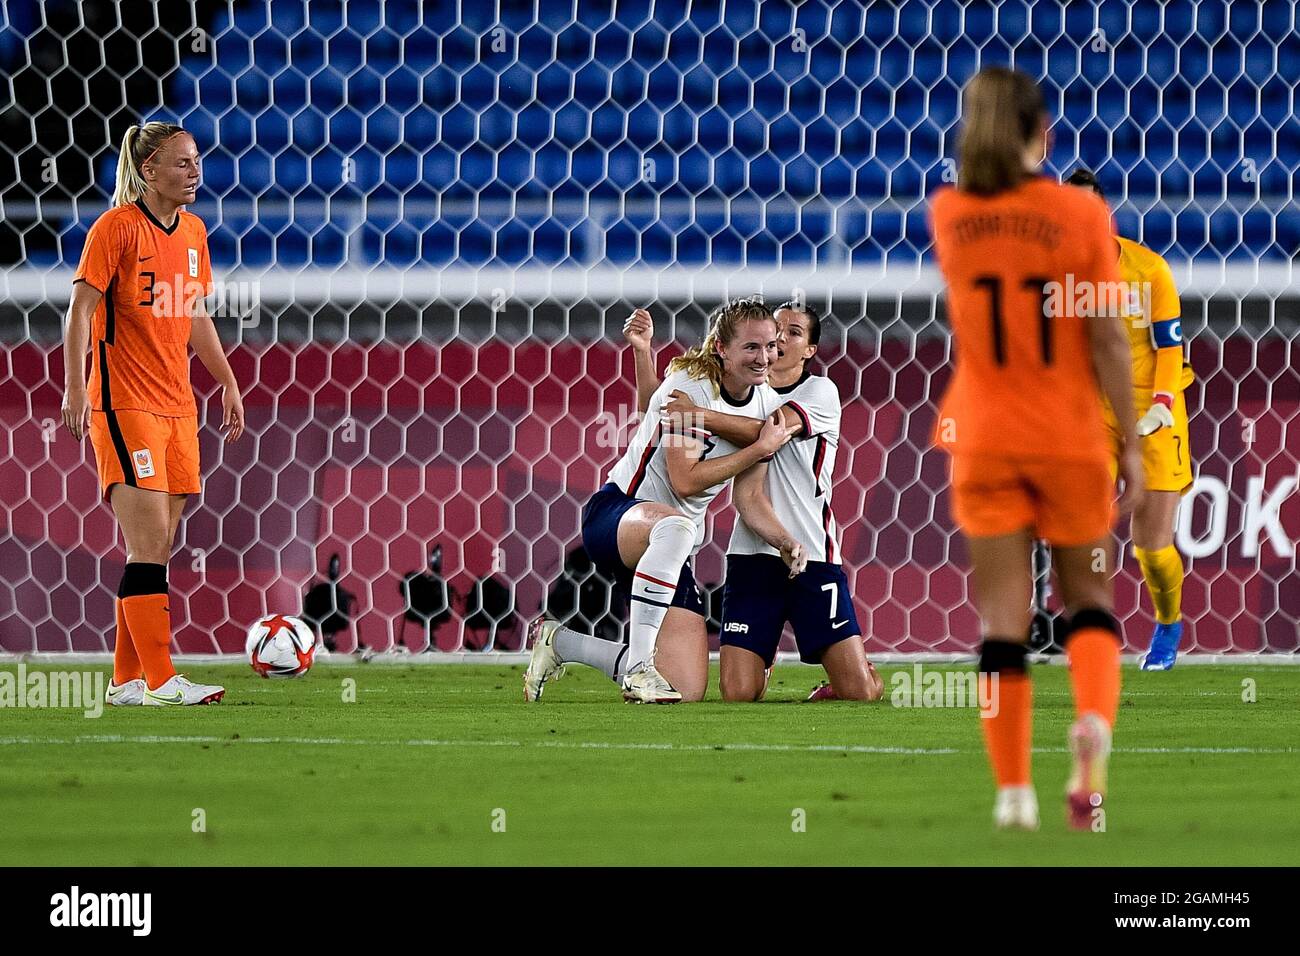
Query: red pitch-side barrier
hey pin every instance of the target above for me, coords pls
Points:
(376, 452)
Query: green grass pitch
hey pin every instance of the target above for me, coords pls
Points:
(447, 765)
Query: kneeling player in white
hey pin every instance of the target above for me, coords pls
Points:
(758, 598)
(643, 525)
(783, 562)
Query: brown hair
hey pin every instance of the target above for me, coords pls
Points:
(703, 361)
(814, 318)
(138, 147)
(1001, 111)
(1086, 178)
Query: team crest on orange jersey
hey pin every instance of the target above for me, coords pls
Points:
(143, 461)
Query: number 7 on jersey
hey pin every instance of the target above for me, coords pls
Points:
(834, 596)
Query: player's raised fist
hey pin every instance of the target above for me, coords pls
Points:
(639, 329)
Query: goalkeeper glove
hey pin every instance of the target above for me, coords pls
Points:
(1159, 415)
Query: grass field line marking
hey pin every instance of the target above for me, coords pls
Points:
(599, 745)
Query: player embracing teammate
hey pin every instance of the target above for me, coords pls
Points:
(642, 526)
(1023, 421)
(783, 562)
(783, 507)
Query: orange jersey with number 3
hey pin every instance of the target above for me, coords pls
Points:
(1024, 384)
(151, 277)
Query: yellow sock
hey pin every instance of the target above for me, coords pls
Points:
(1163, 572)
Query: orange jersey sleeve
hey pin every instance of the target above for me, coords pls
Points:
(102, 252)
(152, 275)
(1022, 271)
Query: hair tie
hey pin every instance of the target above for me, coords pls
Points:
(159, 149)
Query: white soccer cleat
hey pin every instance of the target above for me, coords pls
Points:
(181, 691)
(1016, 809)
(1090, 744)
(130, 694)
(545, 664)
(647, 686)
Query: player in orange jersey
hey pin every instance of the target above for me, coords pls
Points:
(1033, 298)
(137, 297)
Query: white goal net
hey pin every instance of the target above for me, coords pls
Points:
(428, 222)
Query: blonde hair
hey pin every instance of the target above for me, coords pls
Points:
(139, 145)
(1001, 111)
(703, 361)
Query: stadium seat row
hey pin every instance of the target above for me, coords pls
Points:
(785, 235)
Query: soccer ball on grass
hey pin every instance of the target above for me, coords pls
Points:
(281, 646)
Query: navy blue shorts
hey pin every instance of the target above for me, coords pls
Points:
(600, 518)
(759, 597)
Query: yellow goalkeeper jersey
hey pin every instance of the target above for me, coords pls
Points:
(1152, 311)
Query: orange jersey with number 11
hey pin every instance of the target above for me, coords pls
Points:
(1023, 269)
(150, 276)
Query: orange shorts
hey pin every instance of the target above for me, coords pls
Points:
(1067, 503)
(145, 450)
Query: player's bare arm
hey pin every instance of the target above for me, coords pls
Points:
(76, 340)
(737, 429)
(691, 473)
(749, 494)
(1113, 363)
(639, 331)
(207, 346)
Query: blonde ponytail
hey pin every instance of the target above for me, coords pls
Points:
(703, 361)
(139, 145)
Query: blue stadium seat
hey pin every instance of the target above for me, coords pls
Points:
(1288, 234)
(421, 106)
(271, 130)
(364, 90)
(1156, 230)
(401, 168)
(440, 246)
(383, 129)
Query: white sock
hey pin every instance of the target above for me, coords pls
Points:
(606, 656)
(671, 540)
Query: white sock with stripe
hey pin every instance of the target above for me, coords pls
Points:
(671, 540)
(608, 657)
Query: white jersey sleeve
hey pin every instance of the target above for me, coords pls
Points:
(817, 403)
(799, 476)
(642, 471)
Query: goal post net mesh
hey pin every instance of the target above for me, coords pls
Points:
(428, 222)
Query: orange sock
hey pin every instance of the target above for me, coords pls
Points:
(1094, 671)
(1009, 728)
(1007, 711)
(126, 662)
(144, 605)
